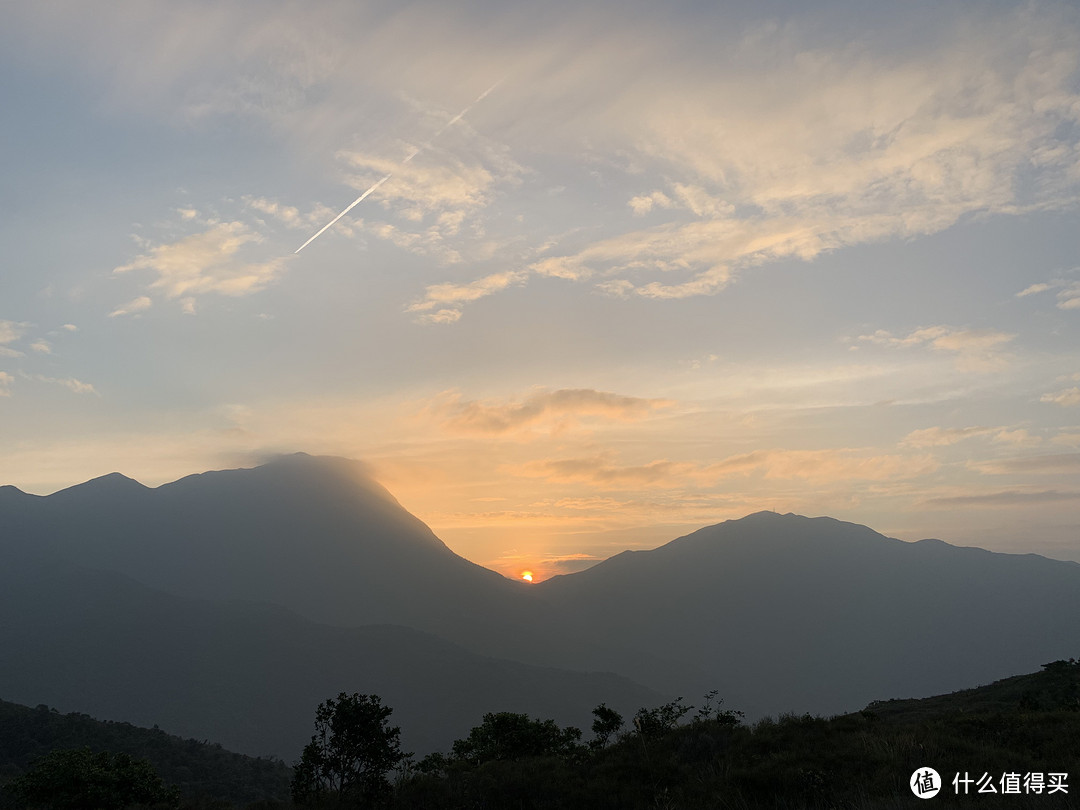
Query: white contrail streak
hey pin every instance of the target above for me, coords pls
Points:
(343, 213)
(411, 155)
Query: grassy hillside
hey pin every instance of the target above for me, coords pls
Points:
(863, 760)
(199, 769)
(1027, 724)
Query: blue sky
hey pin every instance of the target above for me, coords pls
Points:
(680, 263)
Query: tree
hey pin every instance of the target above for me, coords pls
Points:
(350, 753)
(608, 723)
(659, 721)
(507, 736)
(79, 778)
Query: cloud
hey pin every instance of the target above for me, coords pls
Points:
(1065, 398)
(824, 465)
(1068, 295)
(817, 466)
(5, 384)
(286, 214)
(1067, 438)
(440, 302)
(644, 203)
(1046, 464)
(136, 305)
(941, 437)
(41, 346)
(207, 262)
(599, 472)
(553, 410)
(430, 183)
(975, 349)
(783, 147)
(1006, 499)
(70, 383)
(776, 141)
(11, 331)
(1018, 438)
(1069, 298)
(1033, 289)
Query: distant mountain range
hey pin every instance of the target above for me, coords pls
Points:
(227, 605)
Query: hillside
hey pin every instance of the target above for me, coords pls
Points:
(199, 769)
(789, 613)
(249, 675)
(863, 760)
(157, 606)
(316, 535)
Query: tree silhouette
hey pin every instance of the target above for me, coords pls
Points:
(608, 723)
(350, 753)
(79, 778)
(508, 736)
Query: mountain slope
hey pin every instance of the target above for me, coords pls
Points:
(249, 676)
(778, 612)
(314, 534)
(199, 769)
(787, 613)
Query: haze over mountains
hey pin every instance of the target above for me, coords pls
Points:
(158, 606)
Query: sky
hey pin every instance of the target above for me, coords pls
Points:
(635, 268)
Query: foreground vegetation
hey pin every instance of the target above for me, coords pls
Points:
(199, 770)
(678, 756)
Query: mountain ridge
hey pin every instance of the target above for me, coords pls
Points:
(778, 612)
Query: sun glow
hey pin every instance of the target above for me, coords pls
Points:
(527, 576)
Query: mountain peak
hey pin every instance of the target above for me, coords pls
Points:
(113, 483)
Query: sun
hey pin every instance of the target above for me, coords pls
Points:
(527, 576)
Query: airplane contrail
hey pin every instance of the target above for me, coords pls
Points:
(411, 155)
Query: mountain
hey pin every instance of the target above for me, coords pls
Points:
(789, 613)
(248, 675)
(314, 534)
(777, 612)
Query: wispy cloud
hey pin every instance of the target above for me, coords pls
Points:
(975, 349)
(5, 384)
(1044, 464)
(70, 383)
(10, 332)
(132, 307)
(819, 466)
(442, 302)
(553, 411)
(1007, 499)
(1065, 398)
(943, 437)
(601, 473)
(207, 262)
(1068, 292)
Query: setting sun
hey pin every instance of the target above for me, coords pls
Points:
(527, 576)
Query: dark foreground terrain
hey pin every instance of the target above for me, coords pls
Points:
(1019, 736)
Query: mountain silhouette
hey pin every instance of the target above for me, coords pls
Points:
(315, 534)
(777, 612)
(789, 613)
(249, 675)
